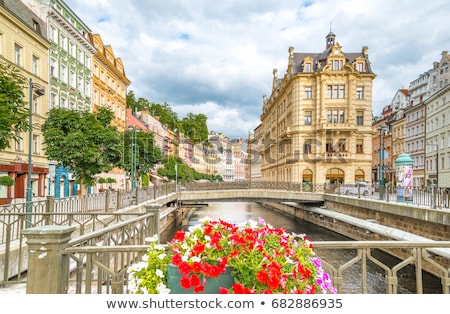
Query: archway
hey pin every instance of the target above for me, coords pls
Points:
(335, 176)
(307, 180)
(359, 175)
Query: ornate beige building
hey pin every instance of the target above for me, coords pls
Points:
(317, 123)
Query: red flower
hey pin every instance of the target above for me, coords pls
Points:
(176, 259)
(179, 236)
(195, 280)
(185, 282)
(199, 289)
(198, 249)
(197, 267)
(273, 282)
(184, 268)
(262, 276)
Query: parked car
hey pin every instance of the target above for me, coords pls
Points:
(348, 189)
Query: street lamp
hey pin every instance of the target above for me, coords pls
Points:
(133, 155)
(437, 162)
(40, 91)
(381, 155)
(176, 179)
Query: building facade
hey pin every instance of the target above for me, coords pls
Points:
(24, 44)
(70, 75)
(317, 123)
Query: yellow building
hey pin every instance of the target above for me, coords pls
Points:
(23, 44)
(109, 81)
(317, 123)
(109, 90)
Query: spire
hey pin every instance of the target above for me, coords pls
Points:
(330, 39)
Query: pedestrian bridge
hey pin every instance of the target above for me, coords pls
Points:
(253, 195)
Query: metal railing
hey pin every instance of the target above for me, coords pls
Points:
(106, 269)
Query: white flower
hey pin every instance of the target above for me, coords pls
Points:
(162, 289)
(162, 256)
(159, 273)
(152, 239)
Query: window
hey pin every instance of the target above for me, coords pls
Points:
(35, 104)
(72, 49)
(35, 144)
(64, 74)
(341, 145)
(63, 42)
(53, 33)
(36, 26)
(359, 146)
(308, 118)
(307, 68)
(336, 65)
(53, 68)
(308, 92)
(360, 67)
(18, 146)
(360, 92)
(52, 100)
(18, 55)
(336, 91)
(35, 62)
(307, 147)
(359, 118)
(341, 116)
(329, 146)
(63, 103)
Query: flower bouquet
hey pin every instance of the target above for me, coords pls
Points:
(261, 259)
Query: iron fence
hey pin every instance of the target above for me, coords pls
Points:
(106, 271)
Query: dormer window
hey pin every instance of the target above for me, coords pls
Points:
(336, 65)
(307, 67)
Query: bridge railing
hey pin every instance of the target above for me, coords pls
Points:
(97, 263)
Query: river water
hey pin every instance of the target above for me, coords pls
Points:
(242, 211)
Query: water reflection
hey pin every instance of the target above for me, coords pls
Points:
(242, 211)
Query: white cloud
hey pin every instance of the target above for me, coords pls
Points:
(222, 53)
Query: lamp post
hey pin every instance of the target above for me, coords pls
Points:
(133, 155)
(176, 179)
(381, 155)
(437, 162)
(29, 194)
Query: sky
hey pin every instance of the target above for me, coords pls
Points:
(217, 57)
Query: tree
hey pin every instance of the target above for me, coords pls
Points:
(83, 142)
(13, 110)
(195, 128)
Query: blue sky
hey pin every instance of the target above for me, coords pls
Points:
(217, 57)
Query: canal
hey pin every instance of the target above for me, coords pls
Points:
(242, 211)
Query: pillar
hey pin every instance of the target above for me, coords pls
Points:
(48, 268)
(155, 209)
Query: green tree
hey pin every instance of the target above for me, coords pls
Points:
(166, 115)
(13, 110)
(147, 153)
(83, 142)
(195, 128)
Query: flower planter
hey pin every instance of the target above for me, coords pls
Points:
(212, 285)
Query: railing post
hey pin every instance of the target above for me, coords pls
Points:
(433, 197)
(155, 210)
(48, 268)
(118, 200)
(387, 192)
(107, 197)
(49, 207)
